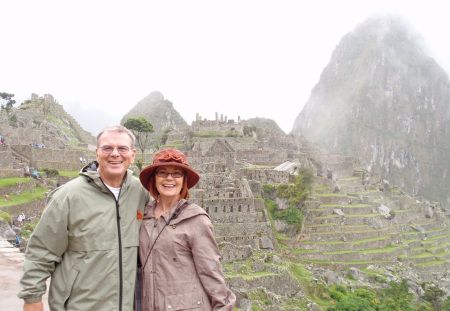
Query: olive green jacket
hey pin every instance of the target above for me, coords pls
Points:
(87, 242)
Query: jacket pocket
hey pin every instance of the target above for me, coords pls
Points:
(72, 276)
(185, 301)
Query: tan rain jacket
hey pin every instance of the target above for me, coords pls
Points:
(183, 271)
(87, 242)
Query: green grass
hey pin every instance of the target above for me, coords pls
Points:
(433, 239)
(407, 241)
(252, 276)
(12, 181)
(325, 195)
(346, 205)
(431, 263)
(71, 174)
(379, 238)
(304, 251)
(422, 255)
(321, 225)
(25, 196)
(340, 252)
(349, 262)
(386, 249)
(349, 232)
(351, 178)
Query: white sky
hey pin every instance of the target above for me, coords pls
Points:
(238, 58)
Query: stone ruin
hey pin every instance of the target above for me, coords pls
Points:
(342, 216)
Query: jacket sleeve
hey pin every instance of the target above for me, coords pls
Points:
(206, 257)
(45, 248)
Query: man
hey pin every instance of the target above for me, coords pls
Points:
(87, 237)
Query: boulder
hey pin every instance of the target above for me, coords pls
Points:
(265, 243)
(338, 211)
(358, 274)
(330, 278)
(429, 212)
(384, 210)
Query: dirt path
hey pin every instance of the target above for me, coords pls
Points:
(11, 263)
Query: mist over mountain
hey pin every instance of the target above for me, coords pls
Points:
(383, 99)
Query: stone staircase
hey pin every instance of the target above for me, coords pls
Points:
(11, 252)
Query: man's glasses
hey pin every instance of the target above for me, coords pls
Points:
(175, 174)
(109, 149)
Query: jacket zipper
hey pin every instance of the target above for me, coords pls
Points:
(119, 237)
(120, 255)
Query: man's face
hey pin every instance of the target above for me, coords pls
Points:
(113, 165)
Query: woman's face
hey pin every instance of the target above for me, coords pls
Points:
(169, 181)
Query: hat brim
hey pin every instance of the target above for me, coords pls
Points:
(146, 174)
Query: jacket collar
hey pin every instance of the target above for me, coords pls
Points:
(190, 211)
(90, 171)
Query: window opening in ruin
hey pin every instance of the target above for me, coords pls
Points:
(231, 209)
(224, 209)
(240, 208)
(215, 209)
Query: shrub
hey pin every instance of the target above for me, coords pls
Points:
(5, 216)
(28, 228)
(51, 172)
(337, 295)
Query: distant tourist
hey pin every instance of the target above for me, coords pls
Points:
(190, 238)
(35, 174)
(87, 238)
(17, 240)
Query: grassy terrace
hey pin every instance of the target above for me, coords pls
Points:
(304, 251)
(349, 232)
(25, 196)
(407, 241)
(431, 263)
(340, 252)
(387, 249)
(13, 181)
(348, 262)
(368, 191)
(353, 226)
(347, 205)
(351, 178)
(321, 225)
(357, 242)
(322, 195)
(433, 239)
(322, 188)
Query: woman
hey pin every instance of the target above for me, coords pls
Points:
(179, 256)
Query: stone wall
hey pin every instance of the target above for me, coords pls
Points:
(19, 187)
(60, 159)
(6, 158)
(31, 209)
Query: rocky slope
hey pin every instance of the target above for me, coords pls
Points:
(42, 121)
(383, 99)
(158, 110)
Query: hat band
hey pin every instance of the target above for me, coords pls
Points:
(173, 158)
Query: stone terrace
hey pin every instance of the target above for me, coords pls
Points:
(347, 228)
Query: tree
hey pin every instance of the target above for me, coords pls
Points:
(396, 297)
(8, 99)
(435, 296)
(141, 128)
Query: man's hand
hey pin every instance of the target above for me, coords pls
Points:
(35, 306)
